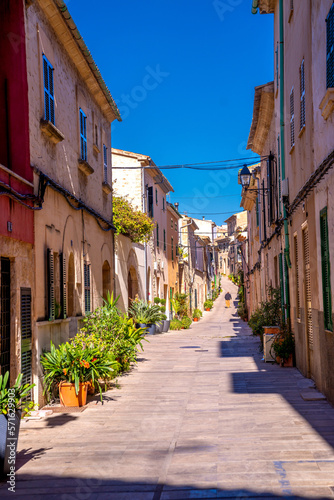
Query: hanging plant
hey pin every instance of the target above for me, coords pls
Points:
(131, 222)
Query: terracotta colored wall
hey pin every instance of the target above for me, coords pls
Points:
(14, 123)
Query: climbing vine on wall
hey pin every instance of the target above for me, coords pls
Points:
(131, 222)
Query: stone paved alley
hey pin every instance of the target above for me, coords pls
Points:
(200, 416)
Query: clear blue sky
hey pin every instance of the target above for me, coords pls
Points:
(183, 75)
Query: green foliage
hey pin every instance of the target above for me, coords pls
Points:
(284, 345)
(13, 398)
(131, 222)
(208, 304)
(181, 300)
(186, 322)
(242, 311)
(197, 313)
(156, 300)
(106, 345)
(268, 313)
(75, 363)
(175, 324)
(145, 313)
(163, 302)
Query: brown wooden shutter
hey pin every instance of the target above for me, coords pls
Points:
(297, 278)
(307, 273)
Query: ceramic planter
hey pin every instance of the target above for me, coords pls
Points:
(207, 309)
(67, 394)
(151, 329)
(158, 327)
(195, 319)
(165, 325)
(9, 433)
(288, 363)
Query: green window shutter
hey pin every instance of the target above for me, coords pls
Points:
(63, 286)
(172, 244)
(50, 284)
(49, 106)
(326, 270)
(157, 235)
(164, 239)
(156, 196)
(281, 282)
(87, 287)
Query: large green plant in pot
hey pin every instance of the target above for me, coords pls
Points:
(14, 402)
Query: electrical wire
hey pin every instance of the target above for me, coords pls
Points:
(200, 166)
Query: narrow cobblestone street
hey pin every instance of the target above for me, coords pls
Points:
(200, 416)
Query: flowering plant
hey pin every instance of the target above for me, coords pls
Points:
(15, 398)
(76, 363)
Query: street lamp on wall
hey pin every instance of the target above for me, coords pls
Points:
(245, 177)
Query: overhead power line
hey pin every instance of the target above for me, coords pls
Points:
(215, 165)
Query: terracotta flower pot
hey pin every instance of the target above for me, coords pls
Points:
(287, 362)
(67, 394)
(195, 319)
(208, 309)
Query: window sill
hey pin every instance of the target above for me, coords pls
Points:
(292, 149)
(96, 149)
(329, 331)
(302, 130)
(85, 167)
(106, 187)
(327, 103)
(51, 131)
(52, 322)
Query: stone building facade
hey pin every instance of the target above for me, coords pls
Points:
(137, 178)
(70, 115)
(303, 134)
(173, 254)
(17, 198)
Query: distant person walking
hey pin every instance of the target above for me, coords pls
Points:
(228, 298)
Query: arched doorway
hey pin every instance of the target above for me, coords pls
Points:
(106, 285)
(132, 285)
(70, 286)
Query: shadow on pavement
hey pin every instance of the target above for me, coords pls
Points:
(60, 487)
(273, 379)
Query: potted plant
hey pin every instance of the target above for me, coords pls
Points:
(175, 324)
(208, 305)
(284, 348)
(196, 314)
(70, 367)
(14, 402)
(147, 316)
(186, 322)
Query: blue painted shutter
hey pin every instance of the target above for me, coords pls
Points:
(83, 135)
(330, 48)
(49, 106)
(105, 164)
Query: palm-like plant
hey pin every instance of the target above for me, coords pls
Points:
(144, 313)
(14, 398)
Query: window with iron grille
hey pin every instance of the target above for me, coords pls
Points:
(5, 314)
(83, 135)
(105, 164)
(150, 201)
(292, 119)
(330, 48)
(49, 103)
(302, 94)
(157, 235)
(326, 270)
(87, 287)
(164, 239)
